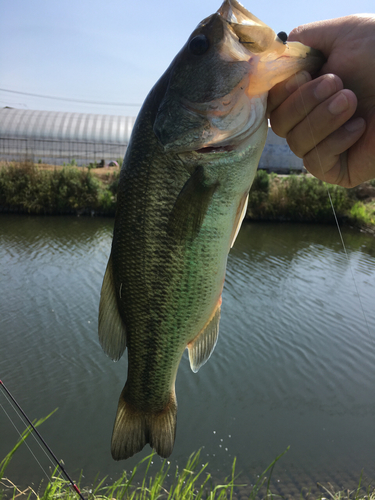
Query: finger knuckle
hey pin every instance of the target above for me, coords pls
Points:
(294, 144)
(277, 125)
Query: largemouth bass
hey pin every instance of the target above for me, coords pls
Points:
(183, 193)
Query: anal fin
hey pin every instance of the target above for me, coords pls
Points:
(201, 348)
(112, 332)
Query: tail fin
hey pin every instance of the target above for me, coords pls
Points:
(134, 429)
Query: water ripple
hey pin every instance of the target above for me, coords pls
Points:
(294, 364)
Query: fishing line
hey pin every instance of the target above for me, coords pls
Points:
(333, 208)
(25, 423)
(19, 433)
(61, 467)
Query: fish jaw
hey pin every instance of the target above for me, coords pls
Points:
(271, 59)
(213, 98)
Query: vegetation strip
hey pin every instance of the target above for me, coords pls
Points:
(28, 188)
(303, 198)
(31, 188)
(187, 484)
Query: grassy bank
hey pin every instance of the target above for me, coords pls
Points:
(32, 189)
(38, 189)
(186, 485)
(304, 198)
(192, 482)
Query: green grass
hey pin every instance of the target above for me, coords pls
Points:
(358, 494)
(363, 213)
(25, 187)
(301, 198)
(187, 484)
(192, 482)
(296, 198)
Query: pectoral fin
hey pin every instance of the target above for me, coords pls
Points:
(241, 212)
(191, 206)
(201, 348)
(112, 332)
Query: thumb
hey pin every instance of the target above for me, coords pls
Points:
(320, 35)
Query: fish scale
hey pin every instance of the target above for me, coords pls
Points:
(182, 196)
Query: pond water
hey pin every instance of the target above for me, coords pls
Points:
(294, 364)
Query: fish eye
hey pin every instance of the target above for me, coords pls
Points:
(199, 45)
(283, 36)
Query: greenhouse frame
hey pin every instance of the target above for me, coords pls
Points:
(59, 138)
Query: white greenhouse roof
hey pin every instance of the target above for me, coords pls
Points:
(56, 125)
(54, 136)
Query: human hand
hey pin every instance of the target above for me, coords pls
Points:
(330, 121)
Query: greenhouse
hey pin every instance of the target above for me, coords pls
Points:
(59, 138)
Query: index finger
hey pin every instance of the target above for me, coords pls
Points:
(284, 89)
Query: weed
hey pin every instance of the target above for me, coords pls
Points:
(187, 484)
(297, 198)
(70, 189)
(193, 482)
(25, 187)
(361, 213)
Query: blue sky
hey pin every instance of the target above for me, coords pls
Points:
(114, 51)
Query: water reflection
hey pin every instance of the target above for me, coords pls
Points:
(294, 364)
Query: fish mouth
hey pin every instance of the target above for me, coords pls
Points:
(272, 58)
(242, 60)
(215, 149)
(232, 144)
